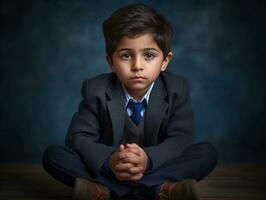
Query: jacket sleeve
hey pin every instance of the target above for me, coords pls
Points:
(84, 131)
(179, 130)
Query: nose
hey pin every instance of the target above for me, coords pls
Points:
(137, 64)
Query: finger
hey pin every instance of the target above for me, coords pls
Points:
(122, 176)
(129, 168)
(133, 150)
(121, 147)
(126, 154)
(134, 160)
(135, 170)
(131, 155)
(123, 166)
(126, 176)
(121, 155)
(133, 145)
(136, 177)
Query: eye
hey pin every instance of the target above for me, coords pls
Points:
(125, 56)
(149, 55)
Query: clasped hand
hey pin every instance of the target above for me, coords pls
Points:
(128, 162)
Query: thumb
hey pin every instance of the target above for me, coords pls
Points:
(120, 148)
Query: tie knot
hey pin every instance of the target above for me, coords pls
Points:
(136, 107)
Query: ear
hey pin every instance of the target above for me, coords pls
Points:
(166, 61)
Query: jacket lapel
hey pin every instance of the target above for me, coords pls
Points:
(116, 109)
(155, 112)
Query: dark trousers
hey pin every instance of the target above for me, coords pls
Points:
(196, 162)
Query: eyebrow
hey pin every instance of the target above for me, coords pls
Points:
(144, 49)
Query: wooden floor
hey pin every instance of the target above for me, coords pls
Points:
(228, 182)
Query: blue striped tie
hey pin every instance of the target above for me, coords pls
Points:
(136, 110)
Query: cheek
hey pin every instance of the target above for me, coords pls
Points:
(155, 69)
(153, 74)
(120, 70)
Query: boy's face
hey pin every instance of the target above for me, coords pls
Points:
(137, 62)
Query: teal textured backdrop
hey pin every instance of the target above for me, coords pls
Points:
(49, 47)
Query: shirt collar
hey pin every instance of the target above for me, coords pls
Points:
(146, 96)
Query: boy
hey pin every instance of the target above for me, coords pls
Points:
(132, 136)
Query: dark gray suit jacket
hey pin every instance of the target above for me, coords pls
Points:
(97, 128)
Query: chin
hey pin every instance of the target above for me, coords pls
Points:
(138, 88)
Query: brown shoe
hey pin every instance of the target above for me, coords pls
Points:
(181, 190)
(87, 190)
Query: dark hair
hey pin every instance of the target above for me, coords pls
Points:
(134, 20)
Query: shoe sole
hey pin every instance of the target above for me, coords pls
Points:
(189, 191)
(182, 190)
(87, 190)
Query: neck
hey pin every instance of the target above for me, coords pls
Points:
(137, 95)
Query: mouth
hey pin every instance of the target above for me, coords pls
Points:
(138, 78)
